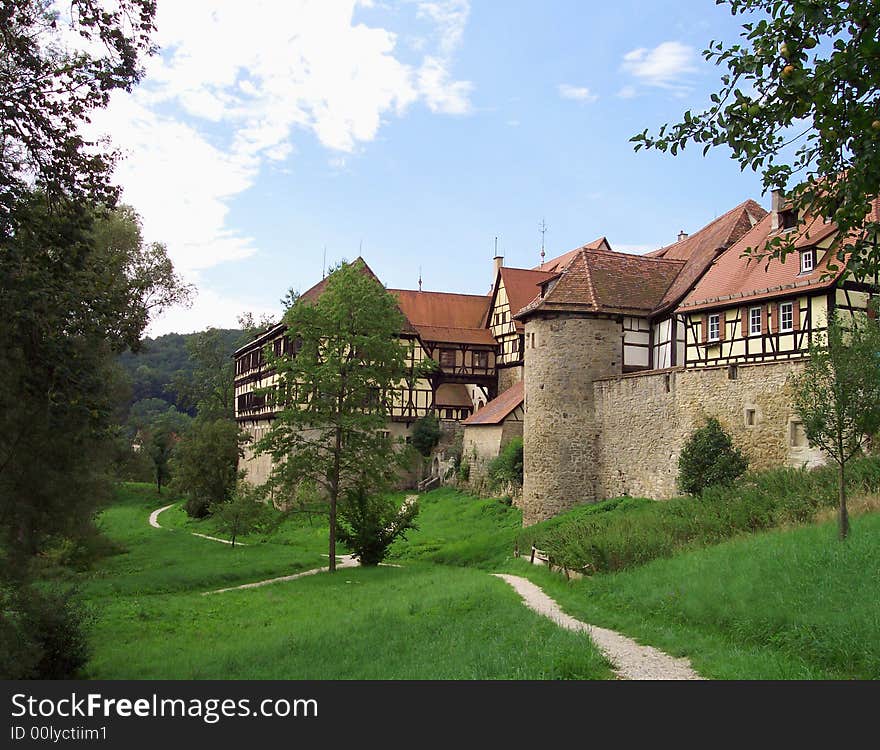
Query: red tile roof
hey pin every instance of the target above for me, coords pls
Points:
(522, 286)
(454, 394)
(497, 410)
(443, 317)
(607, 281)
(556, 265)
(702, 247)
(733, 277)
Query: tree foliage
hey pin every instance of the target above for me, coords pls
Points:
(507, 467)
(426, 434)
(800, 104)
(55, 70)
(336, 389)
(243, 513)
(709, 458)
(205, 464)
(837, 396)
(369, 524)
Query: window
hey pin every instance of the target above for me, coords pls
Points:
(754, 321)
(797, 435)
(751, 417)
(447, 358)
(714, 327)
(786, 316)
(449, 414)
(787, 219)
(808, 261)
(732, 372)
(481, 360)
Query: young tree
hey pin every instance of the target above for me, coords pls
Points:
(800, 103)
(837, 396)
(336, 387)
(369, 524)
(426, 434)
(244, 513)
(205, 464)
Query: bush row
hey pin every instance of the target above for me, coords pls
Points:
(622, 533)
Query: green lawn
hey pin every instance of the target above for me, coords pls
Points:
(783, 604)
(420, 621)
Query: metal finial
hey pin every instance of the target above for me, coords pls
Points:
(543, 229)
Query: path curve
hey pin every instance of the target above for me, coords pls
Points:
(631, 660)
(154, 522)
(342, 561)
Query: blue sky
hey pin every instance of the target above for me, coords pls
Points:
(421, 130)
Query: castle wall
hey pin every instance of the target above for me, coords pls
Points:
(509, 377)
(563, 356)
(482, 444)
(644, 420)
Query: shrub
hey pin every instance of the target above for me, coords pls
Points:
(369, 524)
(709, 457)
(464, 471)
(426, 434)
(244, 513)
(507, 467)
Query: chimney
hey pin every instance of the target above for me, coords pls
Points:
(499, 261)
(777, 199)
(682, 235)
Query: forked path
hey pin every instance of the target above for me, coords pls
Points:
(631, 660)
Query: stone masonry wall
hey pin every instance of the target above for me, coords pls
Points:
(561, 432)
(482, 444)
(645, 419)
(509, 377)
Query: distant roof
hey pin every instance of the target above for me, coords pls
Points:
(556, 265)
(607, 281)
(700, 248)
(453, 394)
(497, 410)
(443, 317)
(522, 286)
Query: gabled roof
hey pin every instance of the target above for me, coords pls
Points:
(558, 264)
(702, 247)
(521, 286)
(449, 318)
(497, 410)
(734, 278)
(607, 281)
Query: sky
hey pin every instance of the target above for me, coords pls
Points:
(413, 133)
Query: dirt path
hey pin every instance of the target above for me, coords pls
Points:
(631, 660)
(154, 522)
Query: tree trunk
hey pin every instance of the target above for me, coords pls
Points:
(334, 494)
(843, 516)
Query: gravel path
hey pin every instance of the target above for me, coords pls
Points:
(154, 522)
(342, 561)
(631, 660)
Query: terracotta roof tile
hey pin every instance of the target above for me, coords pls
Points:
(442, 309)
(454, 394)
(556, 265)
(442, 334)
(497, 410)
(522, 286)
(734, 277)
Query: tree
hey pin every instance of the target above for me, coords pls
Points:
(160, 446)
(837, 396)
(426, 434)
(800, 104)
(210, 387)
(205, 464)
(49, 86)
(709, 457)
(242, 514)
(334, 399)
(370, 524)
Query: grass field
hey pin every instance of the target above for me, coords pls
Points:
(783, 604)
(420, 621)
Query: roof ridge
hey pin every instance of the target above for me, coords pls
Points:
(633, 255)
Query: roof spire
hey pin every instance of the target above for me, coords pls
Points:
(543, 229)
(420, 278)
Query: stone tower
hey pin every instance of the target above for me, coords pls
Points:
(564, 355)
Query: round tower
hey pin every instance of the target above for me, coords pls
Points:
(564, 355)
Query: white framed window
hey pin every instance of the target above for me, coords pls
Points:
(754, 321)
(714, 327)
(808, 261)
(786, 316)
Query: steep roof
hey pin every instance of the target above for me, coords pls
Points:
(443, 317)
(522, 286)
(556, 265)
(497, 410)
(734, 277)
(454, 394)
(607, 281)
(701, 248)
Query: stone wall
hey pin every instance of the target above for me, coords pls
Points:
(644, 420)
(509, 377)
(482, 444)
(563, 358)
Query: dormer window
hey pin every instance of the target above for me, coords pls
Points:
(787, 219)
(808, 261)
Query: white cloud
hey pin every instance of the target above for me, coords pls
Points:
(627, 92)
(237, 84)
(578, 93)
(209, 309)
(668, 66)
